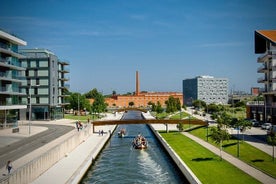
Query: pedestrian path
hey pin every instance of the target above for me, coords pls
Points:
(71, 168)
(262, 177)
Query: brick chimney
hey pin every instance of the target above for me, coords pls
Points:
(137, 84)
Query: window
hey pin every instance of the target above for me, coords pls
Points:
(43, 63)
(42, 73)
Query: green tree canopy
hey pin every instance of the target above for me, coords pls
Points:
(173, 104)
(131, 104)
(219, 135)
(99, 104)
(78, 101)
(92, 93)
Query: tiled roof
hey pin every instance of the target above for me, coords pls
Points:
(269, 34)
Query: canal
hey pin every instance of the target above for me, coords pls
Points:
(120, 163)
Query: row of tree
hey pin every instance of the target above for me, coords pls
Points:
(80, 102)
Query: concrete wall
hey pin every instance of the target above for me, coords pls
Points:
(30, 171)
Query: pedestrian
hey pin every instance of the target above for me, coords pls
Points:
(99, 132)
(9, 166)
(77, 126)
(102, 132)
(80, 125)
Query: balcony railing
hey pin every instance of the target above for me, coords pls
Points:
(255, 103)
(262, 69)
(262, 79)
(265, 57)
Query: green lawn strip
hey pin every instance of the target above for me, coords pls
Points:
(248, 153)
(81, 118)
(205, 164)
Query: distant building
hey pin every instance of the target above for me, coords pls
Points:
(45, 84)
(255, 91)
(265, 44)
(11, 71)
(205, 88)
(141, 99)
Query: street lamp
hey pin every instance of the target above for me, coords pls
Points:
(30, 106)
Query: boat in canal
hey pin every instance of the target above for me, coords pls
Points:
(140, 142)
(122, 133)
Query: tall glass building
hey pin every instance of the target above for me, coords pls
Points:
(11, 72)
(205, 88)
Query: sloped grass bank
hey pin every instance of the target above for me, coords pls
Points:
(205, 164)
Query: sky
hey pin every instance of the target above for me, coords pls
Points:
(167, 41)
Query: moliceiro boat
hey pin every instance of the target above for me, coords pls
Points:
(140, 142)
(122, 132)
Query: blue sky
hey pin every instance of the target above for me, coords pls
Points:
(107, 41)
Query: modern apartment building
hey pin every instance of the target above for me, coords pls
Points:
(11, 71)
(205, 88)
(265, 44)
(45, 84)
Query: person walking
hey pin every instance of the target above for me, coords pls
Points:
(77, 126)
(9, 166)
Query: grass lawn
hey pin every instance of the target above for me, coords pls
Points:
(83, 119)
(248, 153)
(205, 164)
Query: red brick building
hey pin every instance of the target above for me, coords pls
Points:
(141, 99)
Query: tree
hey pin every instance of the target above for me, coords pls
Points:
(271, 139)
(153, 106)
(219, 135)
(173, 104)
(99, 104)
(131, 104)
(79, 102)
(159, 108)
(241, 125)
(180, 127)
(114, 93)
(199, 103)
(92, 93)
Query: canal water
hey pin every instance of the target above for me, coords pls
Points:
(120, 163)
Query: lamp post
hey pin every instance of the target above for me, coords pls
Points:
(30, 106)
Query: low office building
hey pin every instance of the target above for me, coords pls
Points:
(206, 88)
(45, 84)
(265, 44)
(11, 71)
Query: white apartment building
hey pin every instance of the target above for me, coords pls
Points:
(265, 45)
(11, 72)
(206, 88)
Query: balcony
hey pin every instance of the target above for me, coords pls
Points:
(264, 57)
(262, 69)
(262, 80)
